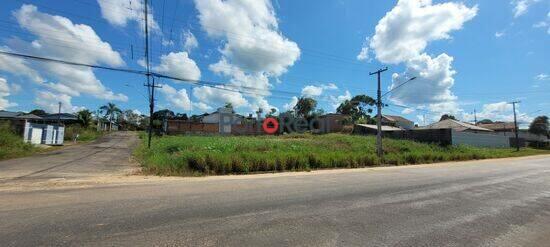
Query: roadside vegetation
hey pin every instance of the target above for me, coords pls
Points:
(12, 145)
(218, 155)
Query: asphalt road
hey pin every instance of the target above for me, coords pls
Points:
(484, 203)
(108, 155)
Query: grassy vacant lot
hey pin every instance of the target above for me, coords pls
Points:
(12, 145)
(216, 155)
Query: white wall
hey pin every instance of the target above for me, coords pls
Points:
(480, 139)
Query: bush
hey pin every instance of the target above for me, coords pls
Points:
(84, 134)
(12, 145)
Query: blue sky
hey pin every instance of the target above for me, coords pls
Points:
(475, 54)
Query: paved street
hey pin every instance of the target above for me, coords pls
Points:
(106, 156)
(483, 203)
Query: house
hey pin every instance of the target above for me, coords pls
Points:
(456, 126)
(397, 121)
(35, 129)
(227, 113)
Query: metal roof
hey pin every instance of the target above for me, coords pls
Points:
(9, 114)
(394, 118)
(384, 127)
(456, 125)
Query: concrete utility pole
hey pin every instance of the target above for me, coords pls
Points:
(379, 150)
(516, 124)
(59, 114)
(149, 85)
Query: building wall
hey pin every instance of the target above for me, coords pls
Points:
(480, 139)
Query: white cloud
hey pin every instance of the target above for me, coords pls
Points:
(72, 80)
(177, 98)
(120, 12)
(499, 111)
(542, 77)
(312, 91)
(254, 49)
(5, 91)
(401, 37)
(336, 101)
(315, 91)
(178, 65)
(218, 97)
(404, 32)
(189, 41)
(49, 101)
(408, 111)
(432, 85)
(544, 23)
(290, 105)
(499, 34)
(18, 66)
(521, 6)
(364, 53)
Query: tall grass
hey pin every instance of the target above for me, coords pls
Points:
(12, 145)
(212, 155)
(84, 134)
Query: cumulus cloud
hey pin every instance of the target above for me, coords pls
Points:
(364, 53)
(404, 32)
(177, 98)
(402, 36)
(337, 100)
(499, 34)
(49, 101)
(432, 85)
(18, 66)
(500, 111)
(5, 91)
(71, 80)
(521, 6)
(120, 12)
(189, 41)
(315, 91)
(290, 105)
(178, 65)
(253, 43)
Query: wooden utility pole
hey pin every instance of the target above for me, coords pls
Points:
(379, 150)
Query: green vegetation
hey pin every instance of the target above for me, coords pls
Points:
(12, 145)
(216, 155)
(84, 134)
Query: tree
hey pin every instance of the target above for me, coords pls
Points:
(447, 116)
(131, 119)
(305, 106)
(181, 116)
(359, 107)
(38, 112)
(163, 114)
(271, 112)
(112, 111)
(84, 117)
(539, 126)
(486, 121)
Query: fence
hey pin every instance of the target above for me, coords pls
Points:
(175, 127)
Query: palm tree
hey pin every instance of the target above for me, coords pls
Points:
(84, 117)
(110, 110)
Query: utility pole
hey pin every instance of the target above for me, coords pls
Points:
(379, 150)
(475, 117)
(149, 85)
(516, 124)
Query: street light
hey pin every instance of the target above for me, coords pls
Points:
(409, 80)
